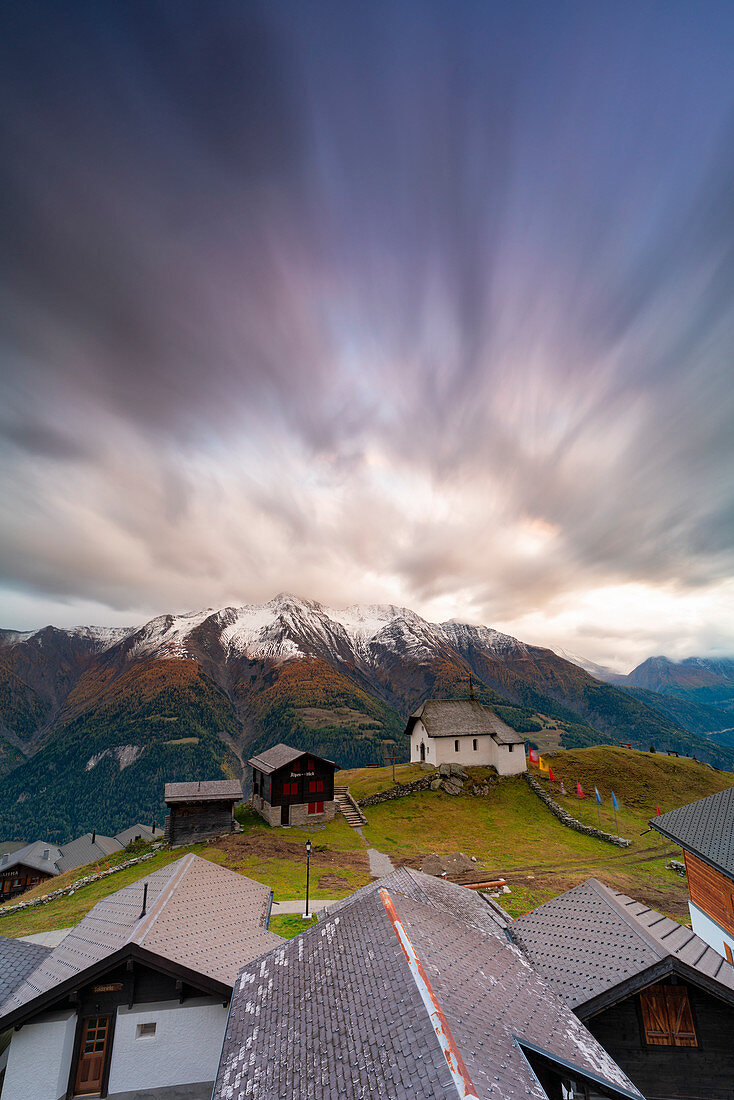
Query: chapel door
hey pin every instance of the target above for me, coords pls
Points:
(92, 1053)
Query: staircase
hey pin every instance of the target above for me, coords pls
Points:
(348, 807)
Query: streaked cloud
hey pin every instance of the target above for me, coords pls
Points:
(427, 304)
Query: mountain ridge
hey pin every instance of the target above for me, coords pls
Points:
(207, 689)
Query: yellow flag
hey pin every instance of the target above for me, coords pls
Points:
(542, 764)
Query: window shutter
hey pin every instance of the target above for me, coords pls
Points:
(655, 1019)
(681, 1017)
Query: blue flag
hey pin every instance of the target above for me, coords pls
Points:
(614, 801)
(598, 796)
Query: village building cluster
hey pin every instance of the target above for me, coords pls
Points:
(173, 988)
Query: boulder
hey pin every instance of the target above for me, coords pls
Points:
(444, 769)
(452, 785)
(435, 784)
(458, 771)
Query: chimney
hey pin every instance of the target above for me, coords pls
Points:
(94, 836)
(145, 901)
(46, 853)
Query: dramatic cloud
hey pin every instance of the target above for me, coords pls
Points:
(423, 303)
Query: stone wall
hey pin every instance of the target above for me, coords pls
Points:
(299, 815)
(450, 778)
(399, 791)
(568, 820)
(66, 890)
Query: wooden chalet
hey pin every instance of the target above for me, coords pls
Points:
(200, 809)
(292, 787)
(655, 996)
(705, 832)
(27, 867)
(133, 1002)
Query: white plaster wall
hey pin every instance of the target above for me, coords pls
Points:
(441, 750)
(709, 930)
(511, 763)
(185, 1048)
(39, 1060)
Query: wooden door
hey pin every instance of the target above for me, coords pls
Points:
(92, 1054)
(285, 814)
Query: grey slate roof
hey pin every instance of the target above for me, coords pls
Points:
(144, 832)
(469, 905)
(705, 828)
(280, 755)
(33, 856)
(17, 960)
(226, 790)
(463, 718)
(199, 916)
(80, 852)
(337, 1012)
(593, 941)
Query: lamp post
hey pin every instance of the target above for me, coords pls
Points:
(308, 867)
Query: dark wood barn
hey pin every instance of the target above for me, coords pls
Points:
(200, 809)
(292, 787)
(657, 998)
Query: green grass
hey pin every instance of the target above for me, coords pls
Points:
(290, 926)
(511, 833)
(363, 782)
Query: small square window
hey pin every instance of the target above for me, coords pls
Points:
(145, 1031)
(511, 747)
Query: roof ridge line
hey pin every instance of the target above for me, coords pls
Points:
(631, 923)
(140, 931)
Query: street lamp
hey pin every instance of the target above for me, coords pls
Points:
(308, 867)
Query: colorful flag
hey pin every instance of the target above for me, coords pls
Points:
(579, 789)
(563, 789)
(614, 801)
(543, 764)
(598, 796)
(533, 756)
(658, 809)
(551, 776)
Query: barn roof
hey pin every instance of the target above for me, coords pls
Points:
(206, 790)
(368, 996)
(134, 831)
(462, 718)
(593, 941)
(203, 919)
(705, 828)
(34, 856)
(83, 850)
(18, 959)
(280, 755)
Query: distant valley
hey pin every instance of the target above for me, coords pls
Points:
(94, 721)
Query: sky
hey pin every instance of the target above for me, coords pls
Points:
(420, 302)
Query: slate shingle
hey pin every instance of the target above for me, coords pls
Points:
(592, 938)
(705, 828)
(340, 1004)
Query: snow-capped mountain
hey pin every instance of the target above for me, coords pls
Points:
(89, 712)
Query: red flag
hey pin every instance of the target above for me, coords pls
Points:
(533, 754)
(579, 789)
(551, 776)
(658, 809)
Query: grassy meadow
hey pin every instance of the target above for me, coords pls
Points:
(511, 833)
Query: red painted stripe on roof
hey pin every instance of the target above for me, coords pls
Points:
(462, 1080)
